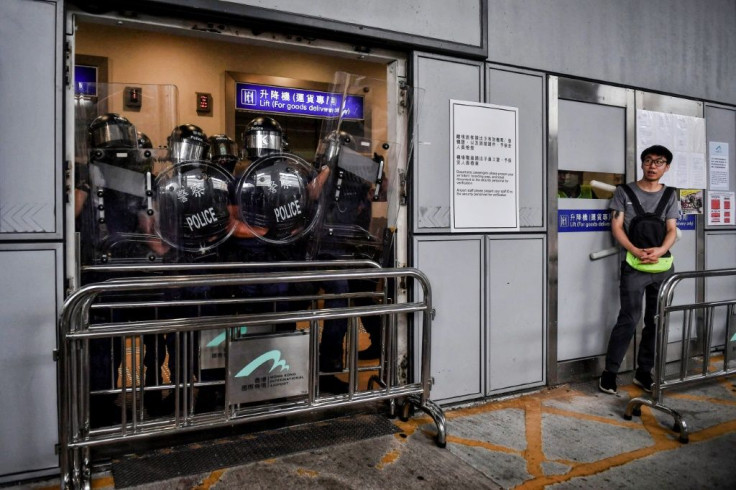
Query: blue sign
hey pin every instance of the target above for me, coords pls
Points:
(569, 220)
(686, 222)
(85, 80)
(296, 101)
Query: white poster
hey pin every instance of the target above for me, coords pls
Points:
(684, 136)
(719, 171)
(484, 155)
(720, 208)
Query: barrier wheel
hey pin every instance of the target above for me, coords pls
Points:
(684, 439)
(441, 445)
(627, 417)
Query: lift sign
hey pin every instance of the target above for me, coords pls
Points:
(283, 100)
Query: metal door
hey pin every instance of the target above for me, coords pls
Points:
(591, 134)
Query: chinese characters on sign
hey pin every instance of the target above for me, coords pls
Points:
(575, 220)
(484, 157)
(284, 100)
(569, 220)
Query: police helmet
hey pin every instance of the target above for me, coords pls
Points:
(192, 201)
(143, 140)
(187, 143)
(223, 151)
(274, 194)
(262, 136)
(112, 131)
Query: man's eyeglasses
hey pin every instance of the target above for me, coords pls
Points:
(655, 162)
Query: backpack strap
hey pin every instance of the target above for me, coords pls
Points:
(634, 200)
(664, 200)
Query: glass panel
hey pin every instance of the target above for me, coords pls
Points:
(577, 184)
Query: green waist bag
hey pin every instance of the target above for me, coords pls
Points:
(662, 265)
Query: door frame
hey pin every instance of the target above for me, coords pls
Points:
(596, 93)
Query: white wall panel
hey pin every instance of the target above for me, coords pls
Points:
(29, 146)
(31, 281)
(454, 266)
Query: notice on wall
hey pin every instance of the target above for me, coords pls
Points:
(720, 208)
(684, 136)
(485, 161)
(691, 201)
(719, 172)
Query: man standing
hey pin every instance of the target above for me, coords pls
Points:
(644, 219)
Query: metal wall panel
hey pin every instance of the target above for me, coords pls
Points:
(674, 46)
(440, 79)
(526, 92)
(593, 139)
(455, 268)
(720, 126)
(427, 18)
(516, 312)
(29, 103)
(720, 253)
(588, 300)
(591, 136)
(31, 285)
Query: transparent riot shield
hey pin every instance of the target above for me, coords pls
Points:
(120, 143)
(278, 198)
(363, 150)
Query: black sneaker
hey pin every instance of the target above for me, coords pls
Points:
(607, 383)
(644, 381)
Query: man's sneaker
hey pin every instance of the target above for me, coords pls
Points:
(607, 383)
(643, 380)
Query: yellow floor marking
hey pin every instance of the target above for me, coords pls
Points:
(104, 482)
(482, 444)
(389, 458)
(306, 472)
(534, 453)
(212, 479)
(714, 431)
(663, 438)
(700, 398)
(594, 418)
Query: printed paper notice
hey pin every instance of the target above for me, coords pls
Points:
(684, 136)
(719, 178)
(484, 155)
(720, 208)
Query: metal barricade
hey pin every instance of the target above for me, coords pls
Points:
(76, 334)
(694, 315)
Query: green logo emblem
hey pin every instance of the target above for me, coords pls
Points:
(274, 356)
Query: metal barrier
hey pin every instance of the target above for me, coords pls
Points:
(686, 375)
(77, 333)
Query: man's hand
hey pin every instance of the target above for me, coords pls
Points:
(650, 255)
(315, 186)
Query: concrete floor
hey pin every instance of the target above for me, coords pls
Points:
(570, 436)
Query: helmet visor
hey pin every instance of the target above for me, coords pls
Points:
(187, 150)
(114, 136)
(259, 143)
